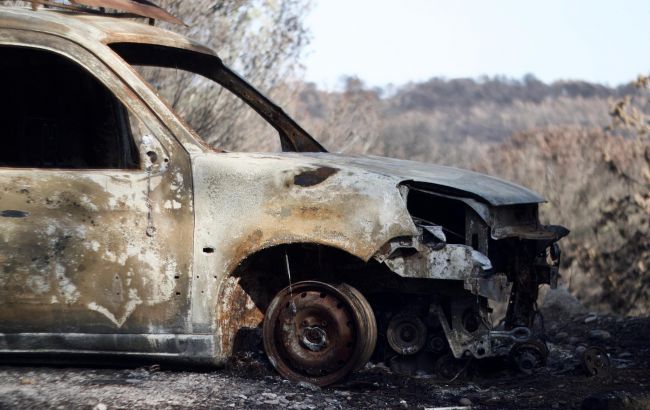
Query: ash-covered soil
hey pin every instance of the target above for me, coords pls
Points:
(250, 382)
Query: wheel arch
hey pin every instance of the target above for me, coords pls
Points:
(245, 293)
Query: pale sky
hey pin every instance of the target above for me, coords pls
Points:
(397, 41)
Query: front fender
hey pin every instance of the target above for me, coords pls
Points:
(248, 202)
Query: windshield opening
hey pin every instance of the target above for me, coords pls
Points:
(215, 101)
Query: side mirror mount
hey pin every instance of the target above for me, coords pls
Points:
(153, 154)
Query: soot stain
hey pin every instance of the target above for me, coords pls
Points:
(314, 177)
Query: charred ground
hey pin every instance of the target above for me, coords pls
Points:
(249, 381)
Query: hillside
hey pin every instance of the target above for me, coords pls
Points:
(424, 115)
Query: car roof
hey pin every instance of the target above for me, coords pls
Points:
(84, 27)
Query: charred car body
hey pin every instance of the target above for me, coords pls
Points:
(117, 239)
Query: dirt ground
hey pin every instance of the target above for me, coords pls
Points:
(251, 383)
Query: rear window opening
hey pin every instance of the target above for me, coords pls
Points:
(54, 114)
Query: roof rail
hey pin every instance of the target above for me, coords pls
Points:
(126, 9)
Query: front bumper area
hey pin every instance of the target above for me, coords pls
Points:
(464, 314)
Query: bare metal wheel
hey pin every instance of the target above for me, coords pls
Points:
(368, 323)
(319, 333)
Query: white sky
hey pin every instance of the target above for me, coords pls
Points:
(397, 41)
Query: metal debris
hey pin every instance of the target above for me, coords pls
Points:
(595, 362)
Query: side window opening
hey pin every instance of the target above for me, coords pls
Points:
(54, 114)
(183, 79)
(218, 116)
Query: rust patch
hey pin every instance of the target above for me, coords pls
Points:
(314, 177)
(238, 311)
(315, 212)
(255, 237)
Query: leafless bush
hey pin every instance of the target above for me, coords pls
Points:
(598, 186)
(423, 132)
(349, 121)
(261, 39)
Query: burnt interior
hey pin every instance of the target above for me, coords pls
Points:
(462, 225)
(54, 114)
(446, 212)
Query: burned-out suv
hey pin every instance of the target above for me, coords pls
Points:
(121, 233)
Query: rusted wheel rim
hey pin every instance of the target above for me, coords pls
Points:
(314, 332)
(368, 323)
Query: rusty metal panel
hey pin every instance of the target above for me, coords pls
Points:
(454, 262)
(81, 257)
(77, 249)
(93, 31)
(248, 202)
(138, 346)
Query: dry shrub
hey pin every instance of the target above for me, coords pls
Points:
(412, 123)
(598, 185)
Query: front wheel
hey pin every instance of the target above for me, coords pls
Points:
(319, 333)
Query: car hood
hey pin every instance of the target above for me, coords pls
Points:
(438, 178)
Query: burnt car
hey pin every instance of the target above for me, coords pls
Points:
(123, 234)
